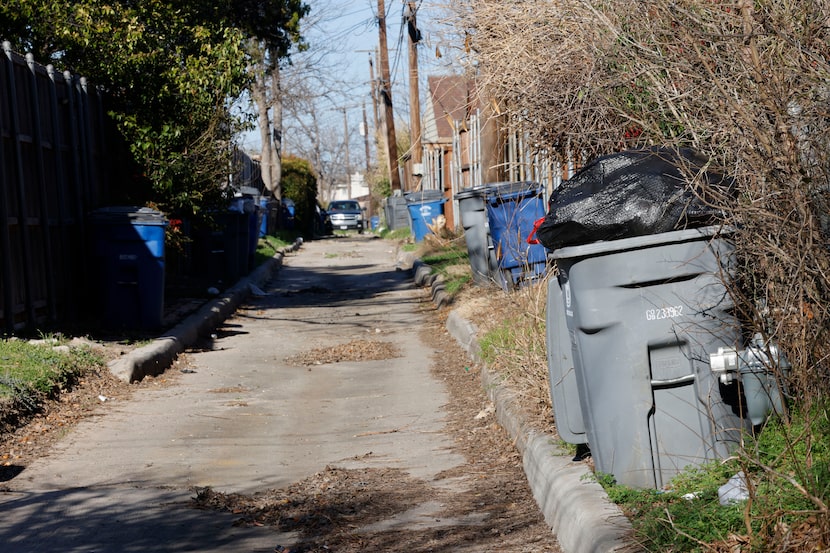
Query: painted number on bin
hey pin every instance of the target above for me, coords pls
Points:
(671, 312)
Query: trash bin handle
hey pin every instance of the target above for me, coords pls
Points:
(673, 381)
(531, 238)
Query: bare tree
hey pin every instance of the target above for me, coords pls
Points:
(276, 130)
(313, 100)
(259, 95)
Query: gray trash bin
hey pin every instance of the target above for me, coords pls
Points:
(643, 315)
(473, 208)
(564, 389)
(395, 211)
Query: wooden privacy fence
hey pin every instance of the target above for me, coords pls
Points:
(52, 173)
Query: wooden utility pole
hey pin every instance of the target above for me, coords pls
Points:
(374, 91)
(366, 139)
(414, 97)
(386, 97)
(348, 161)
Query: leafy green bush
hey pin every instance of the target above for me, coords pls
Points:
(300, 185)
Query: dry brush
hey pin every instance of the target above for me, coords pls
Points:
(745, 83)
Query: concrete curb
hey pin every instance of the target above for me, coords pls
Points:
(574, 505)
(434, 282)
(156, 357)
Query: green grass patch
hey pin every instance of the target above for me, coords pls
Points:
(517, 341)
(397, 234)
(789, 469)
(442, 259)
(497, 341)
(30, 372)
(685, 517)
(453, 264)
(268, 245)
(456, 284)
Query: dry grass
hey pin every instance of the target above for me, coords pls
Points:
(745, 84)
(511, 332)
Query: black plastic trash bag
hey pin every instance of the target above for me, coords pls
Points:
(632, 193)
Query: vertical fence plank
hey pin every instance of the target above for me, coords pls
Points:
(78, 173)
(40, 171)
(20, 185)
(8, 282)
(67, 245)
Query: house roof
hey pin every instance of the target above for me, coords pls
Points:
(450, 99)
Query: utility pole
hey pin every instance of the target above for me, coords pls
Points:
(374, 95)
(374, 91)
(373, 88)
(368, 160)
(366, 139)
(414, 97)
(386, 96)
(346, 143)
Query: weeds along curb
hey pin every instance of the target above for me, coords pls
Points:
(156, 357)
(574, 505)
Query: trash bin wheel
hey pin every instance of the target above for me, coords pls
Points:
(505, 277)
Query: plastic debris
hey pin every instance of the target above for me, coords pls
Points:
(486, 412)
(734, 491)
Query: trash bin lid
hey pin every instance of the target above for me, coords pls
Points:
(129, 215)
(510, 190)
(424, 196)
(472, 192)
(638, 242)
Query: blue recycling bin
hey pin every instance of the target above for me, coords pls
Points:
(512, 209)
(265, 211)
(423, 208)
(254, 212)
(127, 250)
(288, 213)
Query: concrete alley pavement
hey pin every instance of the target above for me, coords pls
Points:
(247, 417)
